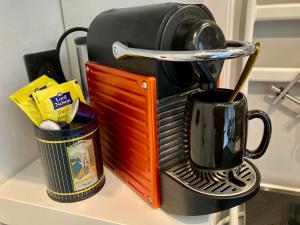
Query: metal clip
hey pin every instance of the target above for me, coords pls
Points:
(282, 93)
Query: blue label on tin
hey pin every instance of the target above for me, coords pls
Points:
(61, 100)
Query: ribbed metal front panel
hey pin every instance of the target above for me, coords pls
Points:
(170, 127)
(125, 104)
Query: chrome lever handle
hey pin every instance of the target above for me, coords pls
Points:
(234, 49)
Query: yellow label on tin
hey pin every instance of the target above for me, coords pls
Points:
(82, 164)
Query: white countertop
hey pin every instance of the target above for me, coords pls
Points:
(23, 201)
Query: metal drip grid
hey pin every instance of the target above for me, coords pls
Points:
(221, 183)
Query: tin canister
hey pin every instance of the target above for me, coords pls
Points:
(72, 162)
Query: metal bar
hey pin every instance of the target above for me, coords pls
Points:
(288, 96)
(273, 74)
(286, 11)
(280, 189)
(234, 49)
(284, 92)
(234, 216)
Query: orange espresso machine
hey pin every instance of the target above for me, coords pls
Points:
(143, 63)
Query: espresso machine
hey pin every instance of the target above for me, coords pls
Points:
(143, 64)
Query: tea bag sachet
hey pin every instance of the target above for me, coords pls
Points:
(54, 103)
(23, 97)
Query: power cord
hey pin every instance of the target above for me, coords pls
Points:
(62, 38)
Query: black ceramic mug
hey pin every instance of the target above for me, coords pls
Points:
(216, 130)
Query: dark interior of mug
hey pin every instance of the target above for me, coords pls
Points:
(216, 96)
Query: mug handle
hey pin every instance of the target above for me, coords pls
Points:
(261, 149)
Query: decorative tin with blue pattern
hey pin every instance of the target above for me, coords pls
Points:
(72, 162)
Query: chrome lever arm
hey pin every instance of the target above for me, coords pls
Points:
(234, 49)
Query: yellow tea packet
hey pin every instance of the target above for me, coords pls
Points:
(55, 102)
(23, 97)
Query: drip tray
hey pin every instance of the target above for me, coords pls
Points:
(219, 183)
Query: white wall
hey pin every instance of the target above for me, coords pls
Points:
(25, 27)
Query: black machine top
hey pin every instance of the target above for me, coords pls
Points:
(168, 26)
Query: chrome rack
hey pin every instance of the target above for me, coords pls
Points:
(283, 93)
